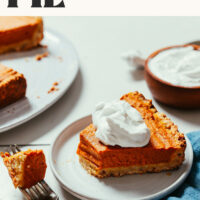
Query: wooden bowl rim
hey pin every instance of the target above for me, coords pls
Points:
(155, 53)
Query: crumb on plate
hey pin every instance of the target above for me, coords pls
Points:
(60, 58)
(52, 89)
(41, 56)
(55, 83)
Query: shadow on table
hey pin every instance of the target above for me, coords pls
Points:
(192, 116)
(41, 125)
(67, 195)
(15, 110)
(137, 74)
(196, 42)
(24, 54)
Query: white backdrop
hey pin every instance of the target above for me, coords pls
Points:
(103, 75)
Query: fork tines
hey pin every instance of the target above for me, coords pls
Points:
(14, 149)
(35, 192)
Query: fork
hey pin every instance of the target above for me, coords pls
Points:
(40, 191)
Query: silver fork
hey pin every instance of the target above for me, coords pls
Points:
(40, 191)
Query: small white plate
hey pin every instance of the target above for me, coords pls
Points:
(60, 66)
(74, 179)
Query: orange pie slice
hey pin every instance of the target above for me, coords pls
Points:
(20, 33)
(12, 86)
(165, 150)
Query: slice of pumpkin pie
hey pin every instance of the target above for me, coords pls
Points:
(20, 33)
(12, 86)
(163, 151)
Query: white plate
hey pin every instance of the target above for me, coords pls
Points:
(73, 178)
(60, 66)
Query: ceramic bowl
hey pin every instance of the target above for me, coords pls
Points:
(169, 94)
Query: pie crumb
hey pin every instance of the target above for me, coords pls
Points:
(55, 83)
(53, 88)
(41, 56)
(60, 58)
(168, 173)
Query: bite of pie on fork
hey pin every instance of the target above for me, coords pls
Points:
(27, 170)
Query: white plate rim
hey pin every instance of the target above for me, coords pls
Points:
(76, 67)
(157, 195)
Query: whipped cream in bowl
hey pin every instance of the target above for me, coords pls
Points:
(173, 76)
(118, 123)
(179, 66)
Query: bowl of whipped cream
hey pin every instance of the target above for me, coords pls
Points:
(173, 75)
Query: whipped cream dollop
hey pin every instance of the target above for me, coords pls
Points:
(117, 123)
(178, 66)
